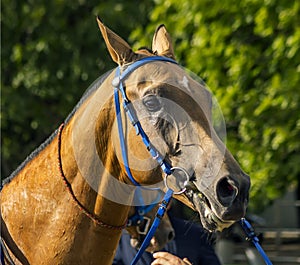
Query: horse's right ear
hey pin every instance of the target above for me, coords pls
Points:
(162, 43)
(119, 49)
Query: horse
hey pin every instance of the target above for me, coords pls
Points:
(68, 202)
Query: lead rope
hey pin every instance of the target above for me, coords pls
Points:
(252, 236)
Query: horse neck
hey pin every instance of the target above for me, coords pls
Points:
(87, 191)
(36, 200)
(108, 217)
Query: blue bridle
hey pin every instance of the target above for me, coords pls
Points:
(127, 105)
(165, 166)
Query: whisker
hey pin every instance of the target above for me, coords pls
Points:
(189, 223)
(189, 144)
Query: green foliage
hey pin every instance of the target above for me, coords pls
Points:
(248, 53)
(51, 52)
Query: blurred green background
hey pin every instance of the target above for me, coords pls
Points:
(247, 52)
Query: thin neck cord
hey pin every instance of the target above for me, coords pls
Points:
(92, 216)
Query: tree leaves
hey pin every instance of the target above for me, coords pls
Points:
(248, 53)
(51, 52)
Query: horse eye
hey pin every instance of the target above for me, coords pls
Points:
(152, 103)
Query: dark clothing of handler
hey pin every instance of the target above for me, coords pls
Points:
(191, 241)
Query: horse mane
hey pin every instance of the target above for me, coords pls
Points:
(92, 88)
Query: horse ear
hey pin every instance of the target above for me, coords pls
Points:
(162, 43)
(119, 49)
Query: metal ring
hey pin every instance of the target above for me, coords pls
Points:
(184, 184)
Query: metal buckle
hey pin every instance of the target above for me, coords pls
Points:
(147, 221)
(183, 189)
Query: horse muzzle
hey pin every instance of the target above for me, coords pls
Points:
(222, 206)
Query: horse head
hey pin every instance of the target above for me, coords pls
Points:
(175, 111)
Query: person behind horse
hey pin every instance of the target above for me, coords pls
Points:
(191, 245)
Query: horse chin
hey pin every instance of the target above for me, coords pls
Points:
(209, 218)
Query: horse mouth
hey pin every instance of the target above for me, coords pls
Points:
(209, 218)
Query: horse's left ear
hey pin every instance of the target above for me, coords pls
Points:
(119, 49)
(162, 43)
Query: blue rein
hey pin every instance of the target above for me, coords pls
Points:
(165, 166)
(159, 215)
(249, 231)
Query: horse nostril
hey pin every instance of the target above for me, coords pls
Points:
(226, 191)
(171, 235)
